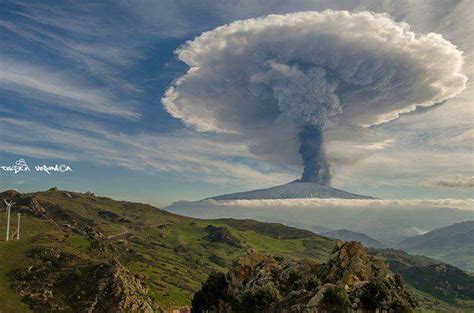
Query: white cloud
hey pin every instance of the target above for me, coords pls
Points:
(389, 219)
(59, 89)
(251, 72)
(465, 139)
(451, 182)
(403, 204)
(190, 156)
(266, 78)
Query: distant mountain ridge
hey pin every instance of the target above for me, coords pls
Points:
(453, 244)
(292, 190)
(347, 235)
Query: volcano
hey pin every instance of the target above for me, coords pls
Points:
(294, 190)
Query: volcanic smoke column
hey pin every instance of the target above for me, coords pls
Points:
(277, 82)
(316, 167)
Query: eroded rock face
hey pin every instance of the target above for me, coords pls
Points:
(24, 203)
(350, 264)
(60, 281)
(118, 290)
(351, 281)
(221, 234)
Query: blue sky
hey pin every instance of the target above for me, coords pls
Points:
(81, 83)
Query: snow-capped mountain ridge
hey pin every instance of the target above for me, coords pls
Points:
(293, 190)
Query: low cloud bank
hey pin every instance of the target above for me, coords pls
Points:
(463, 204)
(386, 220)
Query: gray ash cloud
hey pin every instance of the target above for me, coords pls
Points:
(282, 78)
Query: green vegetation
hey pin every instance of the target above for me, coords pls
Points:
(171, 254)
(351, 280)
(439, 287)
(336, 300)
(453, 244)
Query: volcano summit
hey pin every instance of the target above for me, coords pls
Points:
(294, 190)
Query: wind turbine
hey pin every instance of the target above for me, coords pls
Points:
(9, 206)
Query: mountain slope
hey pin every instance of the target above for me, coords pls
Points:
(292, 190)
(453, 244)
(431, 279)
(81, 252)
(157, 257)
(347, 235)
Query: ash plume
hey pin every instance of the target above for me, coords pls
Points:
(278, 81)
(316, 167)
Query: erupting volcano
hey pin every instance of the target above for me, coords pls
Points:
(279, 82)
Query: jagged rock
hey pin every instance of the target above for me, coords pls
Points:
(349, 264)
(63, 281)
(117, 290)
(350, 281)
(316, 299)
(53, 189)
(36, 208)
(26, 204)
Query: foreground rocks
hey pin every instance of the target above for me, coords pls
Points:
(351, 281)
(60, 281)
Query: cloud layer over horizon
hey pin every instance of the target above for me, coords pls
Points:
(380, 218)
(356, 204)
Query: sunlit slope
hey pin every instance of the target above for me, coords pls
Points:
(171, 254)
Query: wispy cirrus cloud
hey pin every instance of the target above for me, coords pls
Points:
(74, 36)
(59, 89)
(450, 182)
(184, 154)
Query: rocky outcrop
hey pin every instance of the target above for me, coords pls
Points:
(57, 213)
(351, 281)
(24, 203)
(221, 234)
(117, 290)
(350, 264)
(60, 281)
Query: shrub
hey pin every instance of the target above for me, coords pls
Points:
(258, 298)
(335, 300)
(213, 290)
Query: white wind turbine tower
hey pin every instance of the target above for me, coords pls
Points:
(9, 206)
(18, 227)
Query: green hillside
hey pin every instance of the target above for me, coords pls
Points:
(440, 287)
(453, 244)
(80, 250)
(171, 253)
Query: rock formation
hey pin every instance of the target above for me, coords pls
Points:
(221, 234)
(61, 281)
(351, 281)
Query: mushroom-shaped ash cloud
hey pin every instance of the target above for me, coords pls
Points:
(296, 73)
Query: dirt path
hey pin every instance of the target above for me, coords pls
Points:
(124, 232)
